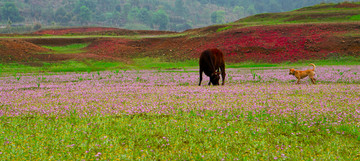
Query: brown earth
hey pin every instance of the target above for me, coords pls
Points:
(59, 41)
(19, 50)
(338, 38)
(24, 51)
(98, 31)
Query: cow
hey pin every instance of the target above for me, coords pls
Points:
(210, 62)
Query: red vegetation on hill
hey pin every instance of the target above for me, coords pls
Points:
(65, 31)
(112, 48)
(286, 42)
(273, 43)
(98, 31)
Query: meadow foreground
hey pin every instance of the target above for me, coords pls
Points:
(260, 114)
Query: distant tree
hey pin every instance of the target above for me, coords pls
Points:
(251, 10)
(90, 4)
(203, 1)
(37, 26)
(126, 9)
(118, 19)
(239, 11)
(183, 27)
(84, 15)
(9, 23)
(176, 13)
(144, 16)
(135, 3)
(218, 17)
(133, 14)
(118, 8)
(10, 12)
(161, 18)
(61, 16)
(35, 11)
(180, 9)
(48, 15)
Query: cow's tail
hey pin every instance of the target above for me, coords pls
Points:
(313, 66)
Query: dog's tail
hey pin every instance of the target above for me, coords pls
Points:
(313, 66)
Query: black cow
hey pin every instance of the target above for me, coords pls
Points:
(210, 62)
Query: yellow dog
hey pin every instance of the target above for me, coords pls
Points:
(299, 74)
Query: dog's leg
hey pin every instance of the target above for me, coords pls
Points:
(311, 76)
(298, 82)
(313, 80)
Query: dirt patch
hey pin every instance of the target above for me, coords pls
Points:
(65, 31)
(18, 50)
(98, 31)
(347, 5)
(59, 41)
(206, 30)
(320, 16)
(338, 5)
(273, 44)
(113, 48)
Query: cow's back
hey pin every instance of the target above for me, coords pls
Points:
(211, 60)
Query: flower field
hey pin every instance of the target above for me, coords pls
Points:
(260, 114)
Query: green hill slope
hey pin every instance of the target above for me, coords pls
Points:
(340, 12)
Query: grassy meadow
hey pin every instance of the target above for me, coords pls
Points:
(68, 49)
(151, 109)
(122, 112)
(321, 13)
(151, 63)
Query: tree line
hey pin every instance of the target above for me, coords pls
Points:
(175, 15)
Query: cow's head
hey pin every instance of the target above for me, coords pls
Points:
(214, 78)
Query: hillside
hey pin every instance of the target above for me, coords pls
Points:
(297, 35)
(177, 15)
(340, 12)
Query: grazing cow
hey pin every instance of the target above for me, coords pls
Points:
(210, 62)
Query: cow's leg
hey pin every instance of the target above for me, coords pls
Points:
(200, 77)
(223, 74)
(209, 81)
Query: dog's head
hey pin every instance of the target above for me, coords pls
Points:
(214, 78)
(292, 71)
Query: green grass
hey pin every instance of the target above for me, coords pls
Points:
(68, 49)
(66, 66)
(304, 15)
(154, 63)
(176, 137)
(250, 65)
(224, 28)
(331, 61)
(131, 37)
(82, 66)
(356, 17)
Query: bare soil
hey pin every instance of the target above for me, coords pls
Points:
(97, 31)
(343, 38)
